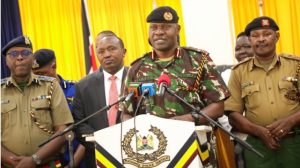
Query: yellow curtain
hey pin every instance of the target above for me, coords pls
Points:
(287, 15)
(128, 20)
(243, 13)
(285, 12)
(57, 25)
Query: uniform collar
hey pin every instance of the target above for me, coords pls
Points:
(255, 63)
(176, 53)
(11, 81)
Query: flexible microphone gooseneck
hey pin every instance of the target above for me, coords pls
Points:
(214, 123)
(145, 92)
(72, 126)
(135, 90)
(164, 82)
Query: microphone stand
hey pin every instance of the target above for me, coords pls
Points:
(70, 136)
(72, 126)
(214, 123)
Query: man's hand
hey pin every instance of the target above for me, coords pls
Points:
(265, 135)
(280, 127)
(25, 162)
(13, 161)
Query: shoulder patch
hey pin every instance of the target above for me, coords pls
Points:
(139, 59)
(196, 49)
(242, 62)
(45, 78)
(289, 56)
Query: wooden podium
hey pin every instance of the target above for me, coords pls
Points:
(149, 141)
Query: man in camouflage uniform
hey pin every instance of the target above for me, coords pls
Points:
(191, 71)
(266, 88)
(33, 108)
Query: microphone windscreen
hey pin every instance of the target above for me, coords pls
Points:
(135, 88)
(164, 78)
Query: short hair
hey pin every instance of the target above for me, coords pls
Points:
(107, 33)
(43, 57)
(241, 34)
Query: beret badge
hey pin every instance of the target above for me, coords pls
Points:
(35, 64)
(27, 41)
(168, 16)
(265, 22)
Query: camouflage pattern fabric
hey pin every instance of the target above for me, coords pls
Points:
(182, 70)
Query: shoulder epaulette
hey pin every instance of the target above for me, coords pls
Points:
(3, 81)
(289, 56)
(196, 49)
(138, 59)
(242, 62)
(45, 78)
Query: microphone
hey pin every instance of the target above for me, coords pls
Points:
(148, 89)
(135, 88)
(163, 81)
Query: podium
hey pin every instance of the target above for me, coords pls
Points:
(150, 141)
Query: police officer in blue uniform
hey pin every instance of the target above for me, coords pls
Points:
(45, 64)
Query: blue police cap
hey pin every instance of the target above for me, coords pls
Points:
(262, 22)
(43, 57)
(21, 41)
(163, 14)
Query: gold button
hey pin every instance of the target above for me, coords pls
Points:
(272, 102)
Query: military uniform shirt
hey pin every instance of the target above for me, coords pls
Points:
(183, 71)
(19, 133)
(262, 94)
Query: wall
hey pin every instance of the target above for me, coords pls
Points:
(208, 26)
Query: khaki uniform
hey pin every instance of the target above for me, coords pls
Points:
(262, 94)
(44, 97)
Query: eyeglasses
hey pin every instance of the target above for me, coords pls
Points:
(23, 53)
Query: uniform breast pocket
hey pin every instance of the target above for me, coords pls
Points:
(42, 111)
(8, 113)
(251, 95)
(287, 92)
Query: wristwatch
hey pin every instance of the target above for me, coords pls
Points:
(37, 160)
(196, 117)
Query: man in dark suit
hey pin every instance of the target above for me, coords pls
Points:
(92, 92)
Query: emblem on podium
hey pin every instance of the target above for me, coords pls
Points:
(150, 149)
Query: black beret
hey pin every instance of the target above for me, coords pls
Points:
(43, 57)
(163, 14)
(262, 22)
(21, 41)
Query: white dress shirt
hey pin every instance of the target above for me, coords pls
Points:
(107, 83)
